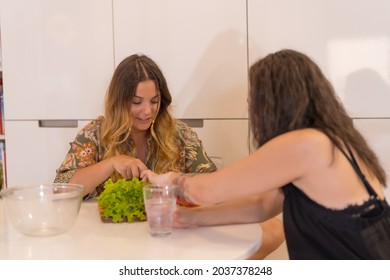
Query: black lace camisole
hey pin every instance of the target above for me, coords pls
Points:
(356, 232)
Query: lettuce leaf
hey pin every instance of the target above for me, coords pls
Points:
(123, 200)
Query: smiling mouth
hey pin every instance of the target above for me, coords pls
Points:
(144, 120)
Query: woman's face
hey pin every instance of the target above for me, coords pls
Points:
(144, 105)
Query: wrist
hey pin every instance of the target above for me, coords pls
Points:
(182, 187)
(111, 163)
(173, 177)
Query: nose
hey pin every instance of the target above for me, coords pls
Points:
(147, 108)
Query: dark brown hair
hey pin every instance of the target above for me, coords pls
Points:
(288, 91)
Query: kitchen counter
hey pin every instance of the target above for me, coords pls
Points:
(90, 238)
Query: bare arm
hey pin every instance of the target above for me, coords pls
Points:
(245, 210)
(301, 157)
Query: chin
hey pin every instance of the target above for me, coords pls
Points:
(142, 127)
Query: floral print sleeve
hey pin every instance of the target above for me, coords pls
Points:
(85, 150)
(193, 157)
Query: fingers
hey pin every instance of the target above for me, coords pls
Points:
(134, 172)
(144, 175)
(135, 169)
(178, 222)
(183, 217)
(129, 167)
(148, 175)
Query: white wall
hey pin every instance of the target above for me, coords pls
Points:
(58, 57)
(377, 133)
(349, 39)
(57, 62)
(200, 46)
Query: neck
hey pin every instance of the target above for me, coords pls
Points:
(138, 136)
(141, 145)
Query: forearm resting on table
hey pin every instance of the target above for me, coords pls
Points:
(90, 177)
(244, 210)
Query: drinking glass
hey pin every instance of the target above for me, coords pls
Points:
(160, 203)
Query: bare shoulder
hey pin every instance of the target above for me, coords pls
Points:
(308, 140)
(309, 147)
(309, 135)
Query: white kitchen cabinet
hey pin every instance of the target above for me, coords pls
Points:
(57, 61)
(225, 140)
(34, 153)
(349, 39)
(57, 58)
(37, 152)
(377, 133)
(200, 46)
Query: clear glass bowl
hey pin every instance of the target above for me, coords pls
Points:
(43, 210)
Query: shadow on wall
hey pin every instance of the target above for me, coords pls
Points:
(220, 79)
(367, 94)
(217, 91)
(368, 99)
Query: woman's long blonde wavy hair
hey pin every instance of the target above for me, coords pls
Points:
(288, 91)
(117, 122)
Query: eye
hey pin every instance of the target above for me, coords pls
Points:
(136, 101)
(155, 100)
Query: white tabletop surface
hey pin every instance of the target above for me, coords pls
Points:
(90, 238)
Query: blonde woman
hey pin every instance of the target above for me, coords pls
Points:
(137, 132)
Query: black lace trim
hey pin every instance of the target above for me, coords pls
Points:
(348, 218)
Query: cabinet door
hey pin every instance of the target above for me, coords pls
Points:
(200, 46)
(34, 153)
(349, 40)
(225, 140)
(377, 133)
(57, 58)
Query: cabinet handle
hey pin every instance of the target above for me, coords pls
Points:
(74, 123)
(58, 123)
(193, 122)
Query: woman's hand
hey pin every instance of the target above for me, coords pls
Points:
(156, 179)
(185, 217)
(127, 166)
(149, 176)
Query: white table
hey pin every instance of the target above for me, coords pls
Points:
(90, 238)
